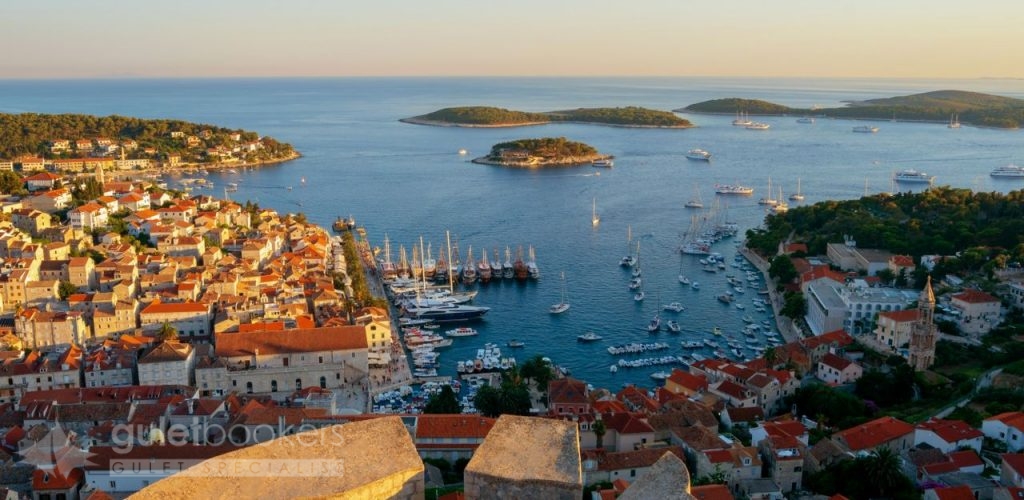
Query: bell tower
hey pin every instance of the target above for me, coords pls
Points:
(923, 334)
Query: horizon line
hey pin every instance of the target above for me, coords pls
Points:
(326, 77)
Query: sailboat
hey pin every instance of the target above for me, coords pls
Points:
(780, 207)
(636, 270)
(695, 202)
(742, 120)
(629, 260)
(594, 219)
(797, 196)
(639, 295)
(683, 280)
(954, 121)
(562, 306)
(768, 200)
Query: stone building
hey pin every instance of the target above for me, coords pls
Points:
(923, 333)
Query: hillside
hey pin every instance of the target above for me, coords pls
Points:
(973, 108)
(485, 116)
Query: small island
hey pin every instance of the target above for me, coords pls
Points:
(486, 116)
(970, 108)
(541, 153)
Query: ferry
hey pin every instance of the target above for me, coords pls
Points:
(698, 154)
(865, 129)
(1008, 171)
(733, 189)
(913, 176)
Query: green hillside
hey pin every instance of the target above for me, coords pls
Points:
(629, 116)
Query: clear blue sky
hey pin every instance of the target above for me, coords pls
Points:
(824, 38)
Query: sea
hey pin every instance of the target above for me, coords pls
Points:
(408, 181)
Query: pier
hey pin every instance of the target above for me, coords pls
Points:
(788, 330)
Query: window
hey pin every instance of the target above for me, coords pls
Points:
(298, 384)
(323, 382)
(273, 386)
(321, 360)
(248, 387)
(632, 472)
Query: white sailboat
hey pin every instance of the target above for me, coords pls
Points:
(797, 196)
(594, 219)
(639, 295)
(768, 200)
(954, 121)
(562, 306)
(696, 201)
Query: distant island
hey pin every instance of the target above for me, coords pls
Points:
(971, 108)
(486, 116)
(541, 153)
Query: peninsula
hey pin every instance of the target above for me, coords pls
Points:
(971, 108)
(541, 153)
(73, 142)
(486, 116)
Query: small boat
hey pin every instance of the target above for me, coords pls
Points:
(660, 375)
(635, 283)
(695, 285)
(515, 344)
(603, 163)
(740, 306)
(692, 345)
(913, 176)
(673, 307)
(1008, 171)
(613, 369)
(673, 326)
(463, 152)
(698, 155)
(716, 331)
(462, 332)
(758, 126)
(588, 337)
(684, 280)
(594, 218)
(797, 196)
(954, 121)
(865, 129)
(805, 119)
(694, 204)
(655, 324)
(639, 296)
(562, 306)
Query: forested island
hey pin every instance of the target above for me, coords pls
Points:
(65, 136)
(982, 230)
(486, 116)
(972, 108)
(538, 153)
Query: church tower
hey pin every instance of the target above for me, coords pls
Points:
(923, 335)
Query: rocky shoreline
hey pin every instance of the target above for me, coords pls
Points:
(568, 162)
(434, 123)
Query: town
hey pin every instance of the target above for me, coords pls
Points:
(135, 315)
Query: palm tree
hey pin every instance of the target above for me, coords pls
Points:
(884, 469)
(771, 356)
(167, 332)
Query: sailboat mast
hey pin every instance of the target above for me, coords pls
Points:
(451, 285)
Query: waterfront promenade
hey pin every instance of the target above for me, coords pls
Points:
(789, 331)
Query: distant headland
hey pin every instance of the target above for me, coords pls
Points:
(541, 153)
(971, 108)
(486, 116)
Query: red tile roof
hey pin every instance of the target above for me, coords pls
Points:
(1015, 461)
(869, 435)
(836, 362)
(958, 492)
(711, 492)
(182, 307)
(567, 391)
(453, 426)
(334, 338)
(838, 337)
(951, 431)
(972, 296)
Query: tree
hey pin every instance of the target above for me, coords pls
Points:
(167, 332)
(599, 430)
(11, 183)
(782, 269)
(884, 470)
(65, 289)
(537, 370)
(443, 402)
(771, 356)
(795, 306)
(488, 401)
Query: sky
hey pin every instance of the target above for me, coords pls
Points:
(278, 38)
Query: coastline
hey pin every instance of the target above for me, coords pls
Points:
(484, 160)
(433, 123)
(850, 118)
(182, 167)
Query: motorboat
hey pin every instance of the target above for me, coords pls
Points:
(913, 176)
(1008, 171)
(515, 344)
(639, 296)
(447, 313)
(588, 337)
(673, 307)
(655, 324)
(694, 204)
(462, 332)
(603, 163)
(757, 126)
(805, 119)
(698, 155)
(660, 375)
(865, 129)
(673, 326)
(690, 344)
(733, 189)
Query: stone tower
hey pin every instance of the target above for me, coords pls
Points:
(923, 334)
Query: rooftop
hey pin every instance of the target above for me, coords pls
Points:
(530, 449)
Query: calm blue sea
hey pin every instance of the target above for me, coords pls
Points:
(408, 181)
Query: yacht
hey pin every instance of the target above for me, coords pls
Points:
(655, 324)
(462, 332)
(603, 163)
(694, 204)
(673, 307)
(913, 176)
(733, 189)
(673, 326)
(588, 337)
(516, 343)
(797, 196)
(742, 120)
(758, 126)
(954, 121)
(698, 154)
(447, 312)
(865, 129)
(1008, 171)
(768, 200)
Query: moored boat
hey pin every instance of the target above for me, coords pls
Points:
(698, 155)
(733, 189)
(588, 337)
(1008, 171)
(865, 129)
(913, 176)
